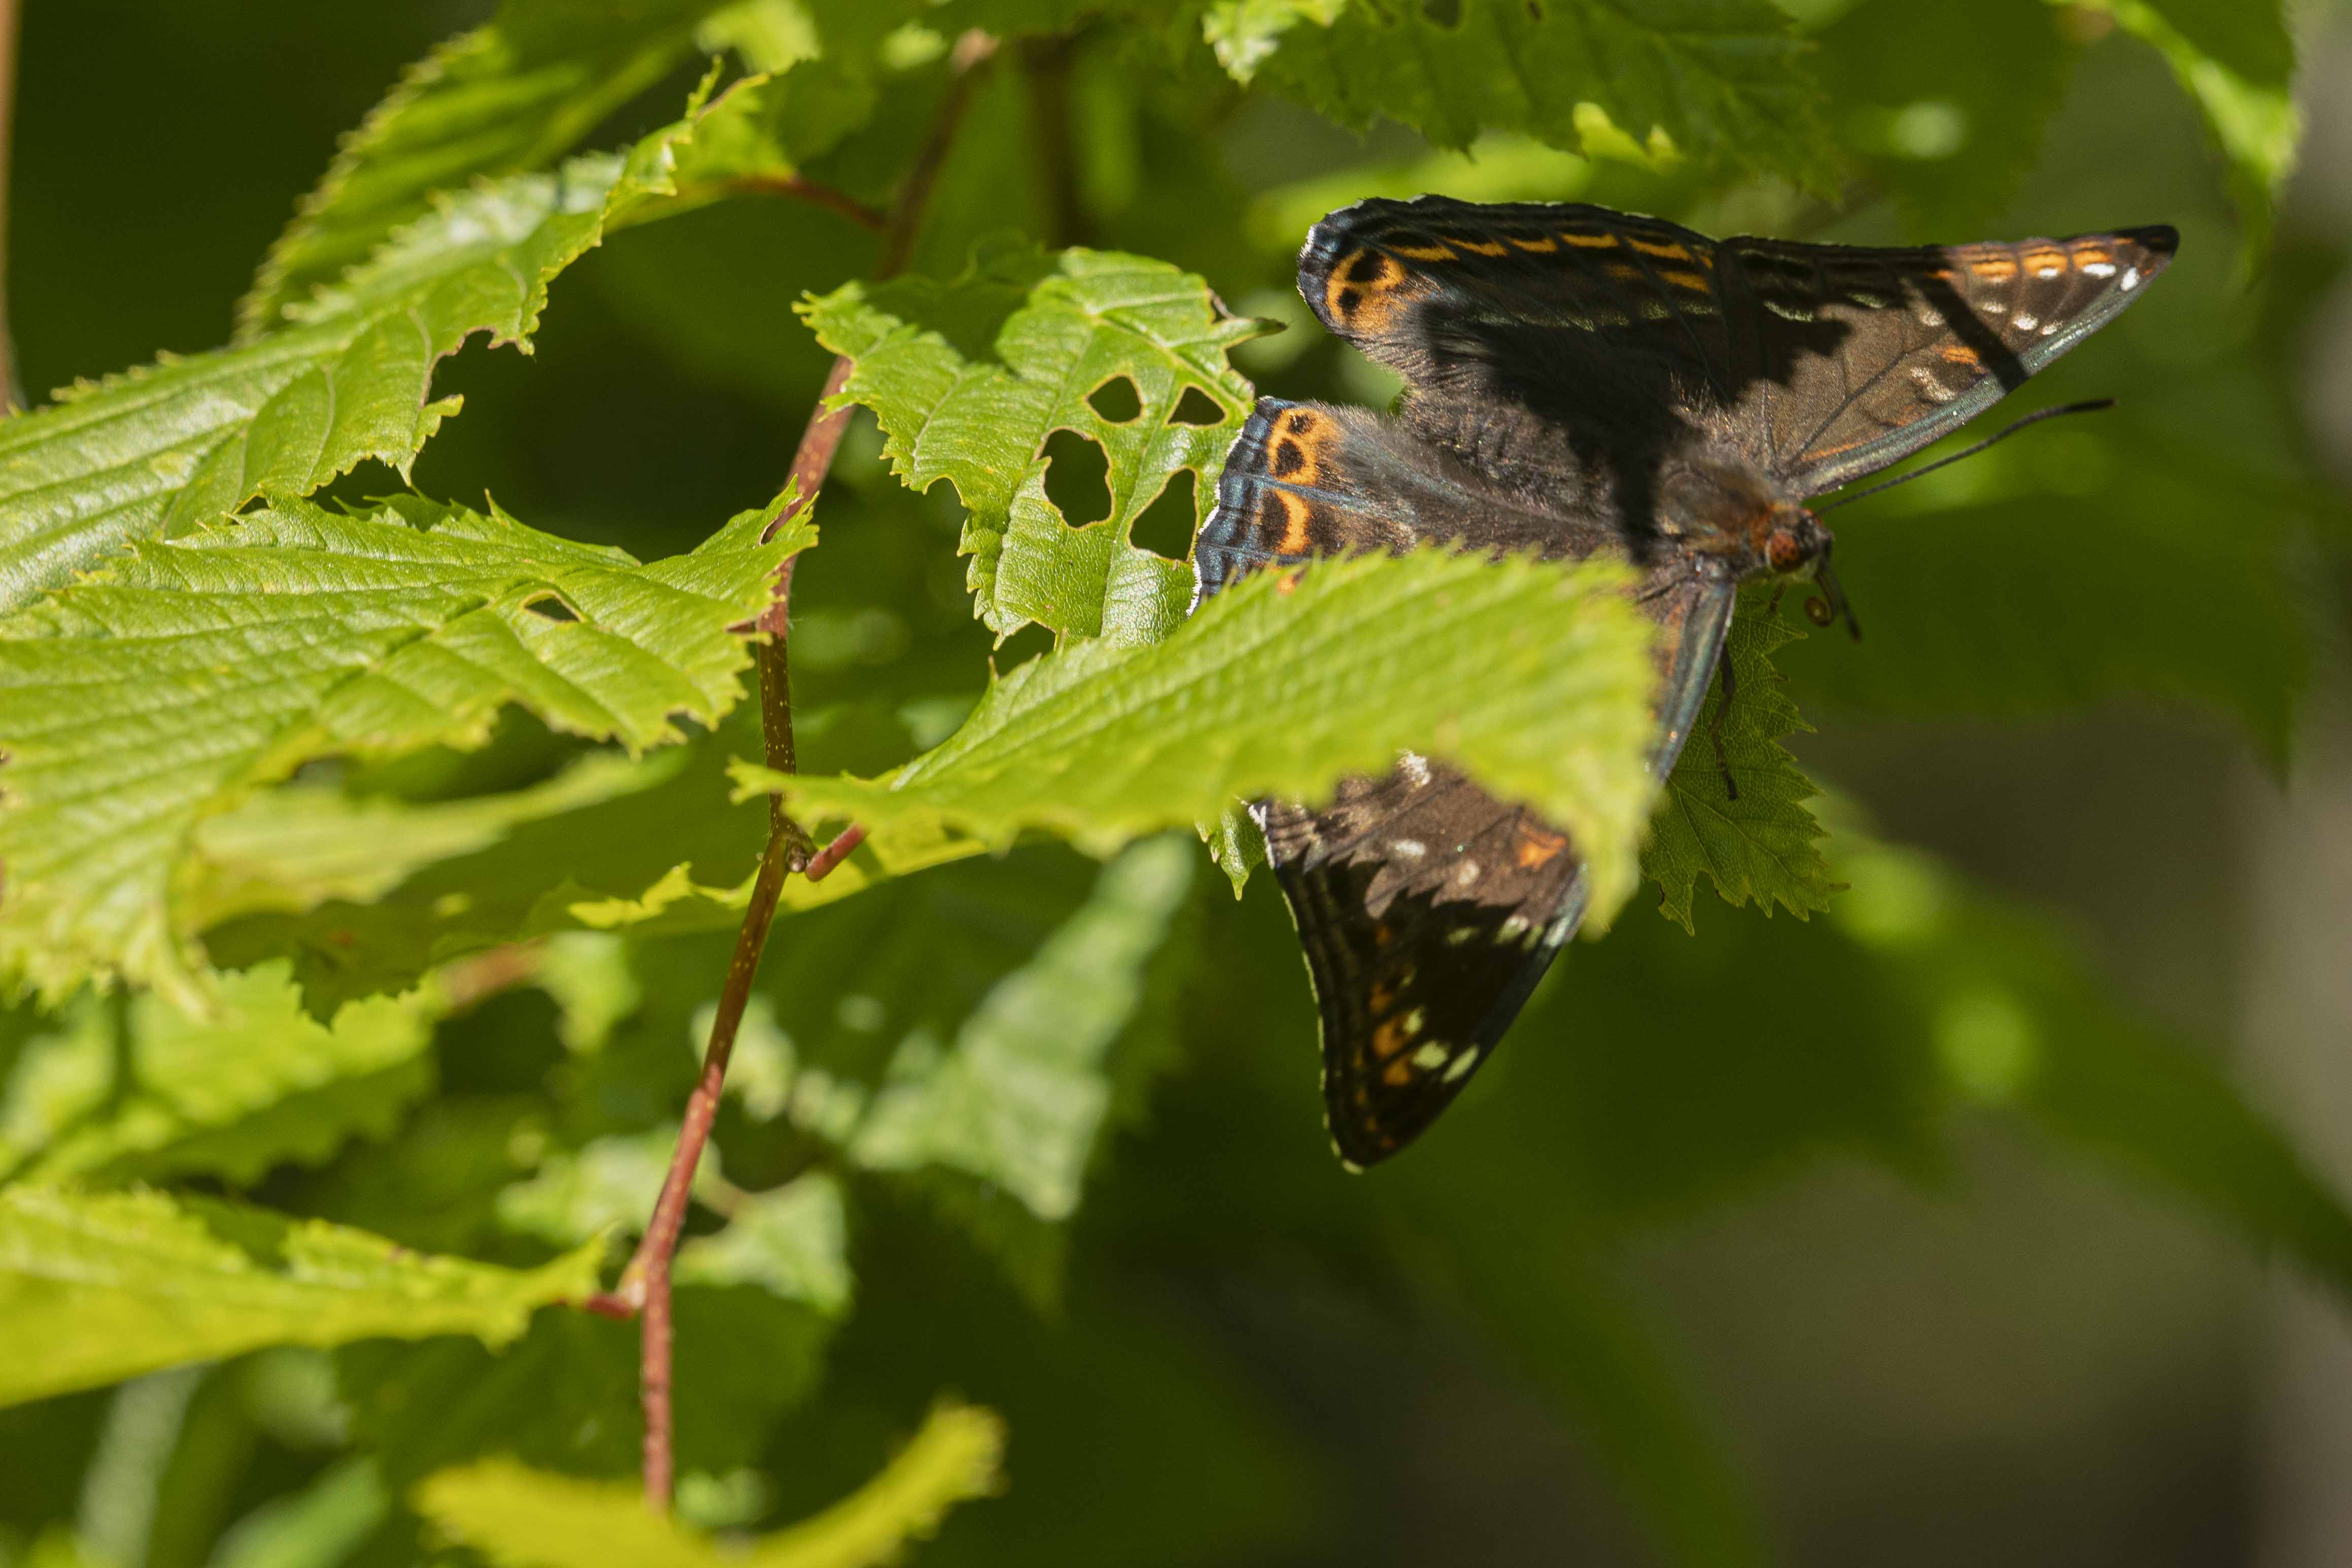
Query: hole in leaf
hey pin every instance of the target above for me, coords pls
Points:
(549, 607)
(1116, 400)
(1165, 527)
(1020, 647)
(1196, 407)
(1077, 478)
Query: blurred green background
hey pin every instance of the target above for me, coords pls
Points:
(1709, 1165)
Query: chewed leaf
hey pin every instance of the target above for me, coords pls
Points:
(1760, 847)
(96, 1287)
(969, 379)
(1534, 678)
(143, 699)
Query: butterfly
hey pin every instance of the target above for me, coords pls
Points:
(1579, 382)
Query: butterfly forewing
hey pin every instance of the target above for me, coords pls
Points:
(1539, 340)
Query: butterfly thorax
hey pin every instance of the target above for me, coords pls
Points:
(1717, 506)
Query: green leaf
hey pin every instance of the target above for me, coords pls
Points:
(1758, 848)
(609, 1183)
(294, 848)
(318, 1527)
(173, 685)
(2236, 59)
(1534, 678)
(792, 1242)
(501, 100)
(518, 1519)
(1720, 81)
(96, 1287)
(253, 1083)
(969, 379)
(160, 450)
(1022, 1094)
(1943, 103)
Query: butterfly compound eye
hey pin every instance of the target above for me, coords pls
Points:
(1783, 552)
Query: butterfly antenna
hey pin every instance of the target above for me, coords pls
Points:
(2036, 418)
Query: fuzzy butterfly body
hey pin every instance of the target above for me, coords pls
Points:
(1579, 382)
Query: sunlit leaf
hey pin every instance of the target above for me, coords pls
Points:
(171, 685)
(1534, 678)
(792, 1242)
(96, 1287)
(168, 448)
(969, 378)
(518, 1518)
(503, 100)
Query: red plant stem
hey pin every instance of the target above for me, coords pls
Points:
(645, 1283)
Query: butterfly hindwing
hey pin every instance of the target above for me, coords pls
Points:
(1428, 910)
(1307, 478)
(1539, 340)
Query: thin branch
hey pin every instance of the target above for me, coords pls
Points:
(800, 189)
(1045, 65)
(12, 386)
(645, 1283)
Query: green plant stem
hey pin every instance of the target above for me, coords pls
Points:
(645, 1283)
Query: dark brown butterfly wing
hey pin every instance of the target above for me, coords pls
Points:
(1538, 338)
(1427, 908)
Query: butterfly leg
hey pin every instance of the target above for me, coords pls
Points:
(1714, 728)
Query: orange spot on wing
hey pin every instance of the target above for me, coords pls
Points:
(1423, 252)
(1389, 1039)
(1589, 242)
(1383, 998)
(1296, 516)
(1542, 244)
(1286, 584)
(1670, 252)
(1482, 247)
(1960, 354)
(1398, 1073)
(1537, 847)
(1690, 280)
(2093, 256)
(2047, 256)
(1993, 268)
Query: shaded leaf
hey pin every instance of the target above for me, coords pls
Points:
(1758, 848)
(503, 100)
(173, 685)
(1721, 81)
(1020, 1097)
(792, 1242)
(168, 448)
(969, 378)
(520, 1519)
(96, 1287)
(2237, 62)
(1534, 678)
(252, 1082)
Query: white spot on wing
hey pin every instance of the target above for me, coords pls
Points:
(1430, 1057)
(2130, 279)
(1410, 848)
(1462, 1065)
(1466, 872)
(2098, 270)
(2027, 321)
(1415, 1020)
(2048, 271)
(1512, 928)
(1414, 766)
(1931, 389)
(1459, 935)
